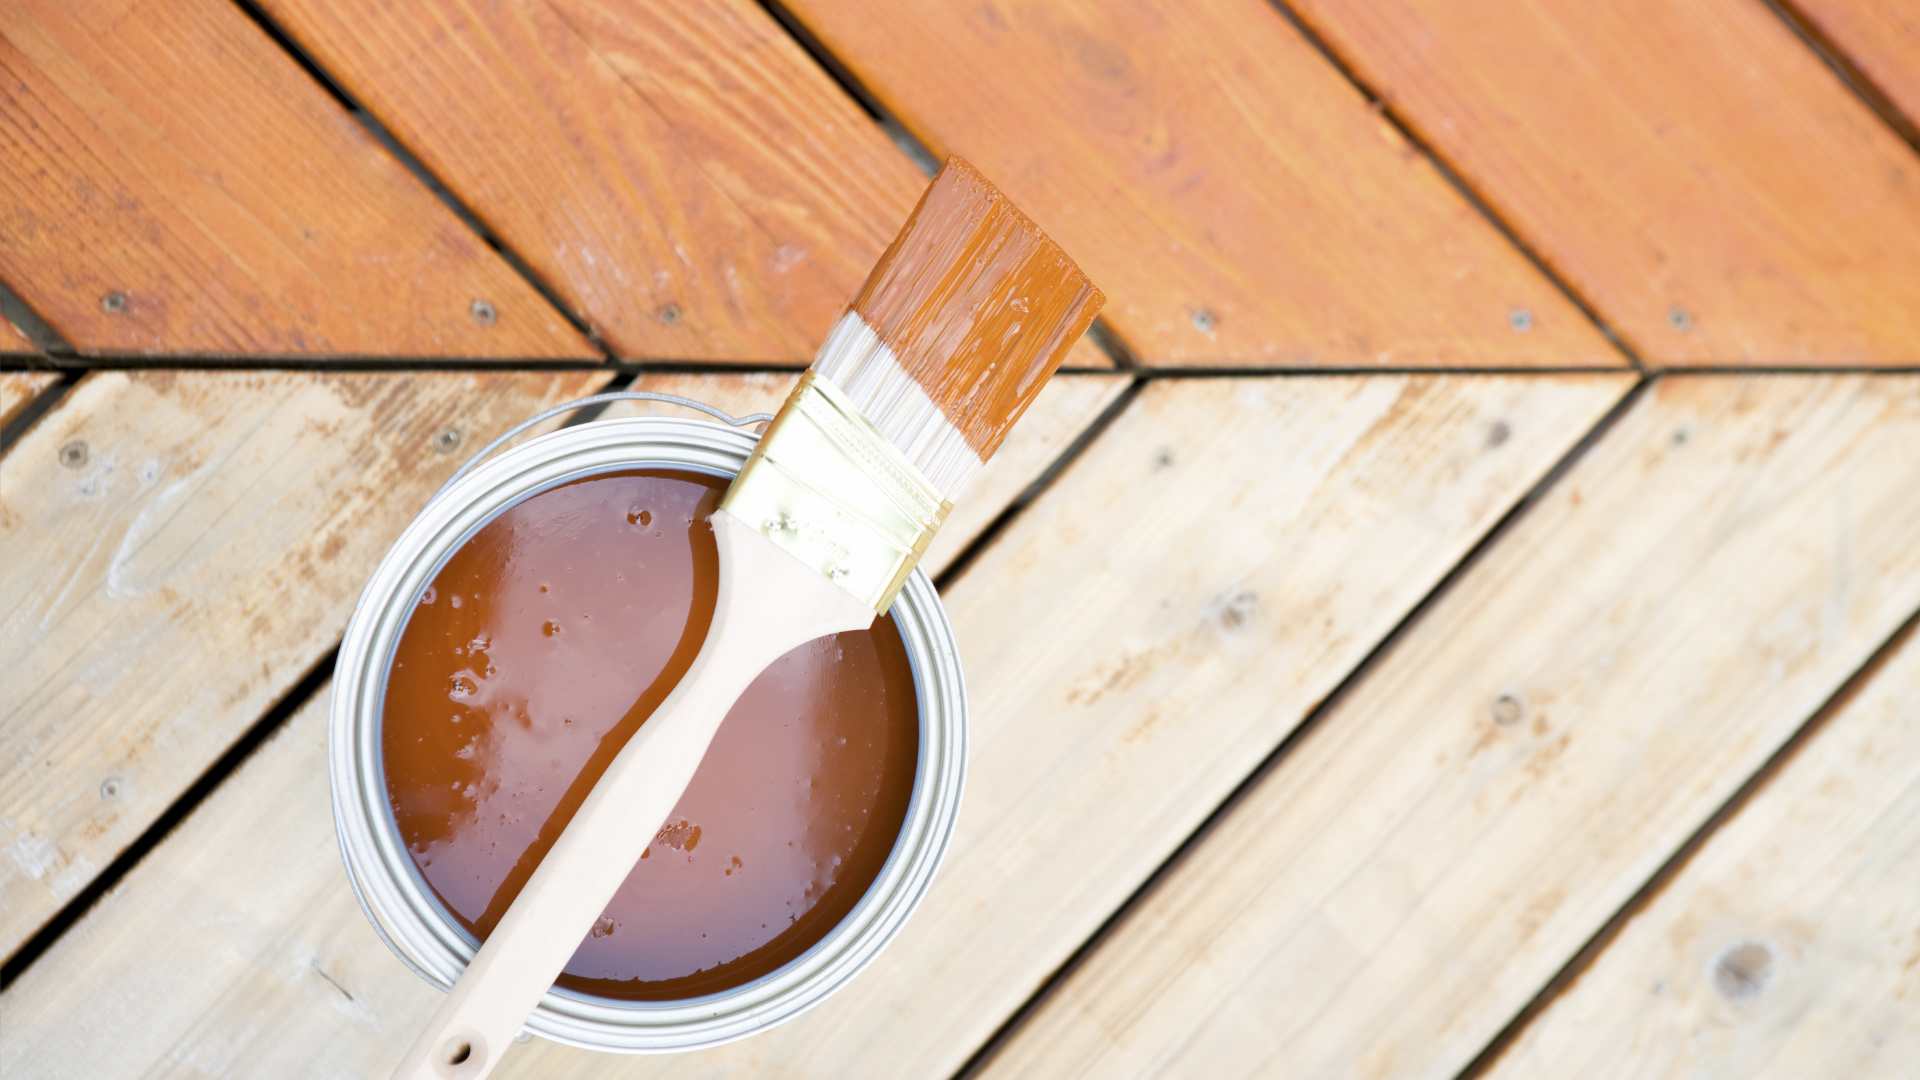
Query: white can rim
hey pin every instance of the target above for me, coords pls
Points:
(390, 889)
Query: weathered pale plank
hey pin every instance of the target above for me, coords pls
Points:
(1236, 199)
(243, 912)
(1789, 945)
(1548, 733)
(1693, 169)
(1880, 37)
(19, 387)
(1066, 406)
(1164, 653)
(172, 182)
(683, 175)
(176, 550)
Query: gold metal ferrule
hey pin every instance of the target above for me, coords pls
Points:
(831, 491)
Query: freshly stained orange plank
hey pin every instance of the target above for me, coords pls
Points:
(171, 182)
(1692, 168)
(1233, 195)
(1881, 37)
(683, 175)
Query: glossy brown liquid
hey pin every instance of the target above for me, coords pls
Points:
(541, 647)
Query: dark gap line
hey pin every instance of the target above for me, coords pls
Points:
(40, 363)
(956, 569)
(15, 309)
(1459, 182)
(475, 365)
(207, 362)
(1311, 722)
(1849, 73)
(1650, 890)
(849, 84)
(236, 755)
(911, 146)
(307, 63)
(16, 429)
(1793, 369)
(1107, 340)
(412, 163)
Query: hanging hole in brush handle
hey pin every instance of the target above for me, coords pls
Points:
(608, 398)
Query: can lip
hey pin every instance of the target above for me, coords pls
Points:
(389, 888)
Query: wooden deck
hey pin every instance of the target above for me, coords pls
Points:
(1455, 616)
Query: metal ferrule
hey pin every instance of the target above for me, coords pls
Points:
(831, 491)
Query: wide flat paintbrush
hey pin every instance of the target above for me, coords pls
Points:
(961, 322)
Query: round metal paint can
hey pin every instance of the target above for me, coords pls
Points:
(412, 921)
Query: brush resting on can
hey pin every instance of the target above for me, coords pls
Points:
(966, 315)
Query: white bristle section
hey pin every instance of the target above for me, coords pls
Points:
(865, 369)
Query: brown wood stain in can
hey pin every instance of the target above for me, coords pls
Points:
(541, 647)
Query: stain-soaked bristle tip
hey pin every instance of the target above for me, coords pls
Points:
(970, 309)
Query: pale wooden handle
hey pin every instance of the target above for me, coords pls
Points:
(768, 603)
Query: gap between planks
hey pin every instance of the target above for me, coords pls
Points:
(1320, 709)
(1846, 69)
(424, 176)
(1151, 940)
(1459, 183)
(1769, 770)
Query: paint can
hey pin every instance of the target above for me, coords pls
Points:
(396, 899)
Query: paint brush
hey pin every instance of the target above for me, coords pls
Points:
(961, 322)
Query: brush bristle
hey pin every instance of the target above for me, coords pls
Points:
(961, 322)
(866, 370)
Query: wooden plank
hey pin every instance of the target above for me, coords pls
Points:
(1065, 408)
(1693, 169)
(259, 923)
(172, 182)
(1166, 655)
(681, 174)
(19, 387)
(1512, 771)
(176, 550)
(1879, 37)
(1236, 199)
(1789, 945)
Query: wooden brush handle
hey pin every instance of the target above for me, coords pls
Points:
(768, 603)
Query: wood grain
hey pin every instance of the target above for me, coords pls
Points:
(1693, 169)
(1788, 946)
(1880, 37)
(1066, 407)
(1235, 198)
(176, 550)
(1528, 754)
(1167, 655)
(17, 388)
(171, 182)
(681, 174)
(244, 913)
